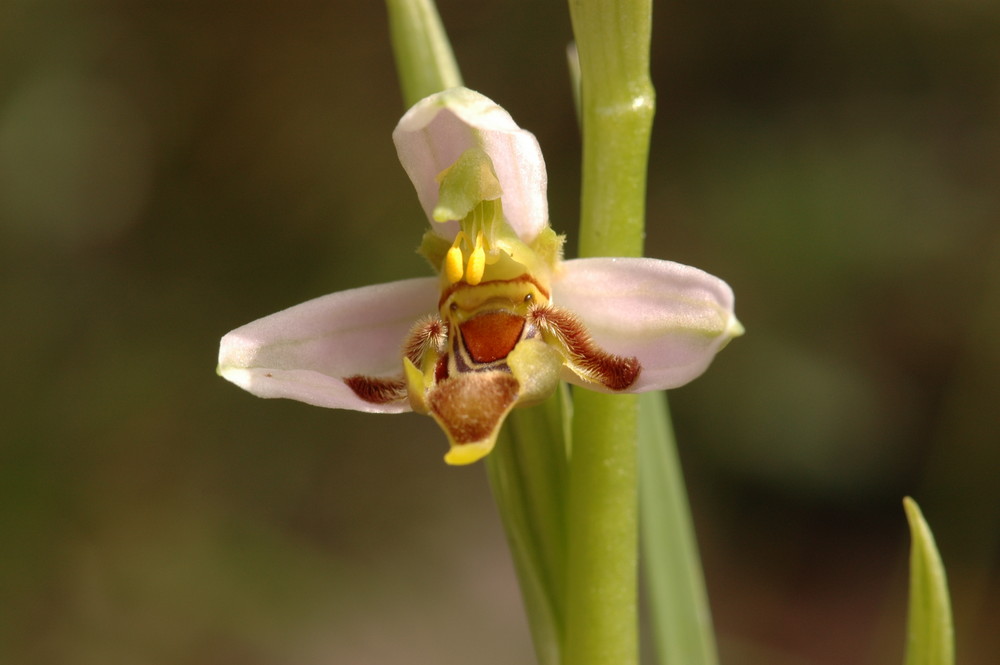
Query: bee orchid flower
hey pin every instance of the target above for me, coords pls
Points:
(504, 320)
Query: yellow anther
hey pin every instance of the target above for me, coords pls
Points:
(453, 265)
(454, 260)
(477, 263)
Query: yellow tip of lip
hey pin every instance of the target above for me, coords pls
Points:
(467, 453)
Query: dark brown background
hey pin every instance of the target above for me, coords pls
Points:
(169, 171)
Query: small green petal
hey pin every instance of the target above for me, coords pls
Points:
(434, 248)
(416, 386)
(548, 247)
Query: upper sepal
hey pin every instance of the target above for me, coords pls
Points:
(305, 352)
(673, 318)
(434, 133)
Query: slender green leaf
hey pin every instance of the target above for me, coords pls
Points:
(930, 635)
(681, 620)
(424, 59)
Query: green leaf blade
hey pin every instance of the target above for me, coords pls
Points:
(424, 59)
(681, 618)
(930, 632)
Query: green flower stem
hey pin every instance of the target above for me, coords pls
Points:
(601, 619)
(617, 110)
(424, 59)
(618, 102)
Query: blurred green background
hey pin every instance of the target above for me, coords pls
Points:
(169, 171)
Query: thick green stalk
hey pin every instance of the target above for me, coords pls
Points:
(424, 59)
(618, 102)
(617, 109)
(601, 618)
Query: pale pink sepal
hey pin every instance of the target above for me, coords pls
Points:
(672, 317)
(304, 352)
(437, 129)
